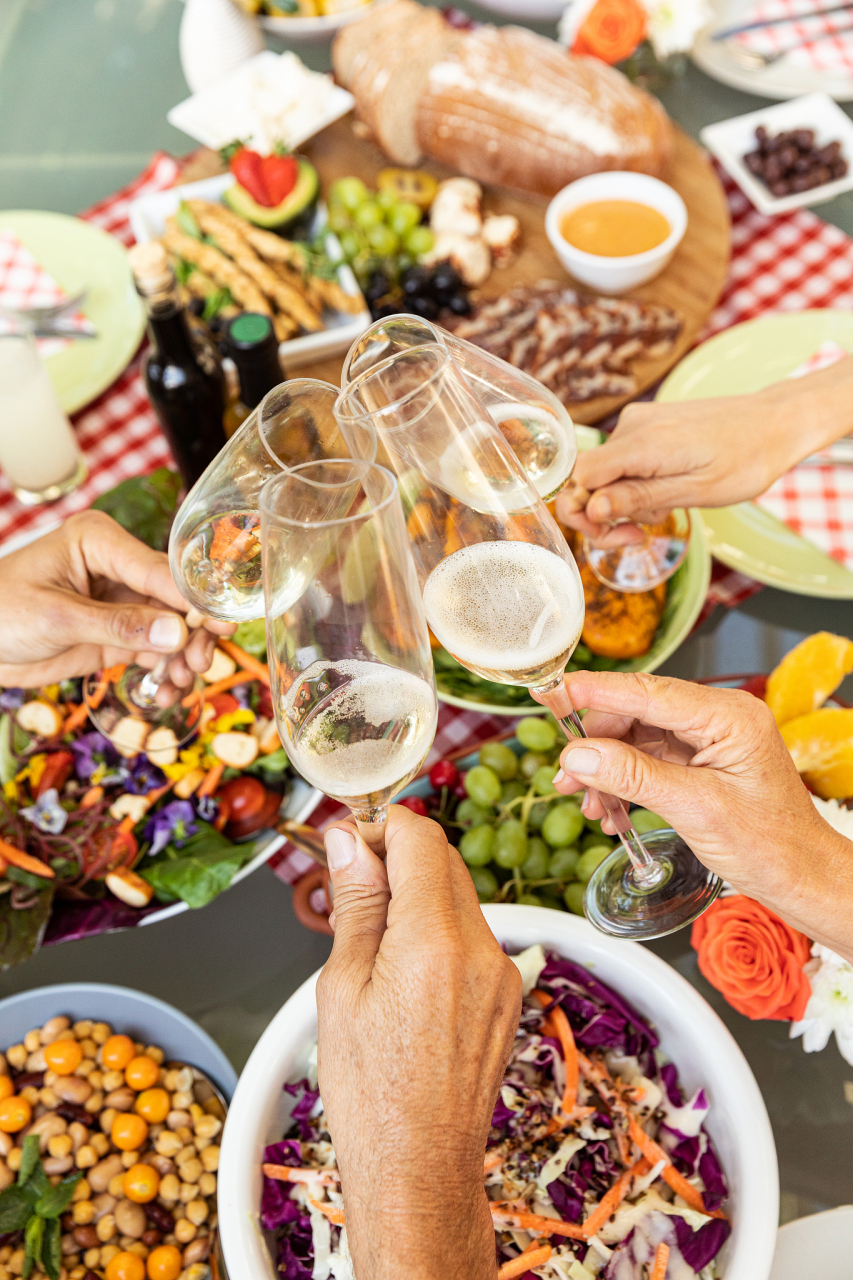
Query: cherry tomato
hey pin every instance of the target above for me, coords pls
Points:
(265, 816)
(416, 804)
(117, 1052)
(15, 1114)
(57, 767)
(443, 774)
(164, 1263)
(153, 1105)
(142, 1072)
(223, 703)
(63, 1056)
(245, 796)
(129, 1131)
(125, 1266)
(6, 1087)
(141, 1183)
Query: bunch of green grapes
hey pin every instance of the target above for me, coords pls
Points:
(376, 226)
(523, 841)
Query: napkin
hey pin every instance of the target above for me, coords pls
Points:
(25, 283)
(833, 55)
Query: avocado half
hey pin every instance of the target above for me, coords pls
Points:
(295, 208)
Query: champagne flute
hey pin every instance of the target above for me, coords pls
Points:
(351, 670)
(503, 594)
(534, 422)
(644, 564)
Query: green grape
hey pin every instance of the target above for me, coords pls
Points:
(367, 214)
(511, 844)
(338, 219)
(477, 846)
(386, 200)
(573, 898)
(470, 814)
(543, 780)
(594, 824)
(485, 882)
(530, 762)
(350, 245)
(418, 241)
(536, 734)
(382, 240)
(563, 825)
(501, 758)
(551, 900)
(589, 860)
(644, 820)
(592, 840)
(512, 791)
(529, 900)
(483, 785)
(563, 864)
(536, 865)
(537, 815)
(404, 217)
(350, 192)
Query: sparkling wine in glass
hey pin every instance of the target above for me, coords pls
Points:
(503, 594)
(350, 663)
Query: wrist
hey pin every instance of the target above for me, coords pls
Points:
(803, 415)
(815, 890)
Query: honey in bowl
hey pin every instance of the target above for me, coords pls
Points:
(614, 228)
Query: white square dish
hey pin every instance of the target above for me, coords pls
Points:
(148, 216)
(730, 140)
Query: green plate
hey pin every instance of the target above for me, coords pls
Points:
(79, 256)
(747, 358)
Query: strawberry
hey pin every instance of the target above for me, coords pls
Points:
(279, 175)
(248, 168)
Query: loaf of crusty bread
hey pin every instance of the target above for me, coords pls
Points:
(509, 107)
(384, 60)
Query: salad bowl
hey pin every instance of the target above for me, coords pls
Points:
(692, 1036)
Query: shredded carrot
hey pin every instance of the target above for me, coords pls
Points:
(596, 1073)
(219, 686)
(127, 824)
(76, 718)
(259, 670)
(158, 792)
(286, 1173)
(212, 779)
(534, 1222)
(560, 1023)
(658, 1271)
(535, 1255)
(611, 1201)
(330, 1211)
(233, 540)
(109, 675)
(9, 853)
(492, 1162)
(654, 1154)
(93, 796)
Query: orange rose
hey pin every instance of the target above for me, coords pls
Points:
(753, 958)
(611, 30)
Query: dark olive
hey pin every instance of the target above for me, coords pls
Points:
(377, 286)
(414, 281)
(445, 281)
(459, 304)
(423, 306)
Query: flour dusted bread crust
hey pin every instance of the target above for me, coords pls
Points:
(509, 107)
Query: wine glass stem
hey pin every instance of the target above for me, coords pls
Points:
(647, 870)
(145, 693)
(371, 827)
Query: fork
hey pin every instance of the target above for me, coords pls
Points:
(751, 60)
(45, 316)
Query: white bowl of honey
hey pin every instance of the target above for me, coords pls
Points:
(614, 231)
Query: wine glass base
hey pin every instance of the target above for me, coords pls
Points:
(123, 700)
(617, 903)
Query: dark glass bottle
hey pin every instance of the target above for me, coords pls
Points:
(252, 345)
(184, 382)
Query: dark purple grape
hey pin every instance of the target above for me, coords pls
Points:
(414, 281)
(387, 309)
(377, 286)
(459, 304)
(422, 306)
(445, 282)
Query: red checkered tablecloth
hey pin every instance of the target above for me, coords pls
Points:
(825, 40)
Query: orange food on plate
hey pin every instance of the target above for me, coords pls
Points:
(141, 1183)
(63, 1056)
(806, 676)
(619, 624)
(129, 1131)
(753, 958)
(821, 746)
(15, 1114)
(125, 1266)
(164, 1263)
(153, 1105)
(612, 30)
(117, 1052)
(142, 1072)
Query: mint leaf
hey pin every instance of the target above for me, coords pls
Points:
(51, 1249)
(29, 1158)
(144, 505)
(33, 1237)
(16, 1209)
(55, 1201)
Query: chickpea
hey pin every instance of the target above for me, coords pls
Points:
(170, 1188)
(77, 1274)
(13, 1159)
(60, 1145)
(83, 1213)
(96, 1079)
(201, 1143)
(185, 1134)
(94, 1104)
(48, 1098)
(182, 1100)
(89, 1047)
(32, 1040)
(155, 1052)
(195, 1272)
(30, 1095)
(36, 1060)
(106, 1228)
(188, 1192)
(81, 1192)
(178, 1120)
(197, 1211)
(7, 1177)
(185, 1231)
(5, 1253)
(83, 1028)
(101, 1032)
(100, 1142)
(129, 1158)
(16, 1056)
(91, 1258)
(86, 1068)
(5, 1273)
(7, 1142)
(106, 1118)
(116, 1187)
(207, 1126)
(86, 1157)
(190, 1170)
(207, 1184)
(16, 1262)
(210, 1159)
(113, 1080)
(168, 1144)
(136, 1246)
(107, 1253)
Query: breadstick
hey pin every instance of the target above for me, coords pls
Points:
(217, 266)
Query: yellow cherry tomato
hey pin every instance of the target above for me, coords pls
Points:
(129, 1131)
(117, 1052)
(125, 1266)
(164, 1263)
(153, 1105)
(63, 1056)
(142, 1072)
(15, 1114)
(6, 1087)
(141, 1183)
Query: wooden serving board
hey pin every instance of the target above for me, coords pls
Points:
(691, 284)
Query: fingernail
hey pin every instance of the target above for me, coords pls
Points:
(583, 760)
(599, 507)
(559, 777)
(166, 633)
(340, 849)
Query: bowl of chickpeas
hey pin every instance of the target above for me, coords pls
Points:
(116, 1085)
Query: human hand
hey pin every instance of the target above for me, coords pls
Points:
(712, 763)
(90, 595)
(418, 1007)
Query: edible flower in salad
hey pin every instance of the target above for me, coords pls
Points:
(596, 1164)
(47, 813)
(143, 777)
(12, 699)
(94, 754)
(173, 824)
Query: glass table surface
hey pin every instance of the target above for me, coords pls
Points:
(84, 90)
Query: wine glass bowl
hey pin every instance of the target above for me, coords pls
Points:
(643, 565)
(123, 705)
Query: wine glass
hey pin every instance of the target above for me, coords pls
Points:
(645, 564)
(124, 704)
(534, 422)
(351, 669)
(503, 594)
(215, 544)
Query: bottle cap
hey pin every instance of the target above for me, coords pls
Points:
(249, 330)
(150, 267)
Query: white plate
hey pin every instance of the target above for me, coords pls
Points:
(730, 140)
(314, 29)
(148, 216)
(780, 80)
(820, 1245)
(233, 107)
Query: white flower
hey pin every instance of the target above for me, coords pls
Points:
(572, 20)
(836, 815)
(830, 1007)
(675, 24)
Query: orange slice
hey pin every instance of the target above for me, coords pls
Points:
(807, 675)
